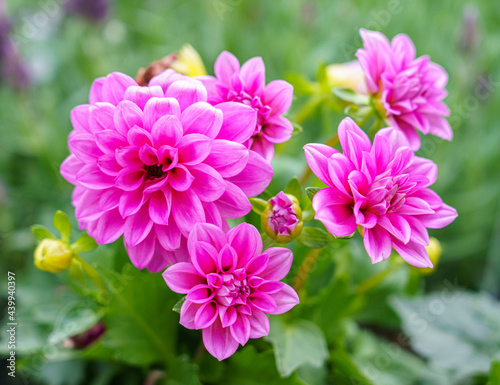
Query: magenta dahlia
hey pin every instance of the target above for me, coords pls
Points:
(150, 162)
(246, 85)
(410, 90)
(230, 286)
(382, 188)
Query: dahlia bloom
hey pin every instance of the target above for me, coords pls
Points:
(246, 84)
(282, 219)
(150, 162)
(382, 188)
(410, 90)
(231, 284)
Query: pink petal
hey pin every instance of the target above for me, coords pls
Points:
(263, 147)
(166, 131)
(285, 300)
(413, 253)
(70, 167)
(259, 324)
(188, 312)
(137, 227)
(353, 141)
(130, 179)
(80, 117)
(130, 201)
(246, 241)
(109, 227)
(339, 168)
(277, 129)
(194, 148)
(142, 253)
(207, 183)
(180, 179)
(317, 156)
(397, 225)
(218, 341)
(182, 277)
(159, 207)
(333, 209)
(202, 118)
(255, 177)
(233, 203)
(166, 78)
(187, 92)
(156, 108)
(253, 73)
(111, 88)
(227, 259)
(204, 257)
(206, 315)
(227, 158)
(280, 263)
(200, 294)
(239, 122)
(127, 115)
(443, 217)
(378, 243)
(225, 66)
(141, 95)
(240, 330)
(187, 210)
(169, 236)
(278, 95)
(257, 265)
(204, 232)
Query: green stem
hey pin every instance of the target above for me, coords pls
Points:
(93, 275)
(307, 109)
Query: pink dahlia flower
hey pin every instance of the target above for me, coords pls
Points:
(247, 85)
(410, 89)
(381, 187)
(231, 285)
(150, 162)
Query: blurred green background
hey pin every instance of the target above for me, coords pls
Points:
(65, 53)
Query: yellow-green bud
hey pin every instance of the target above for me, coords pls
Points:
(53, 255)
(347, 75)
(434, 250)
(282, 218)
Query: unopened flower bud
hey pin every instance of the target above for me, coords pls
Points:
(87, 338)
(434, 250)
(187, 62)
(53, 255)
(347, 75)
(282, 218)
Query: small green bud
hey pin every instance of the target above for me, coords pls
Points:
(434, 250)
(282, 218)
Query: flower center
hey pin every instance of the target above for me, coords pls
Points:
(154, 171)
(263, 111)
(279, 218)
(234, 289)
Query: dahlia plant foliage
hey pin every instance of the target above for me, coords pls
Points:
(180, 166)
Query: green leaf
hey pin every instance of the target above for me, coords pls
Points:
(84, 243)
(181, 372)
(455, 330)
(247, 367)
(41, 232)
(294, 188)
(178, 305)
(494, 373)
(142, 328)
(62, 223)
(297, 129)
(311, 191)
(258, 205)
(350, 96)
(314, 237)
(345, 370)
(296, 344)
(383, 362)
